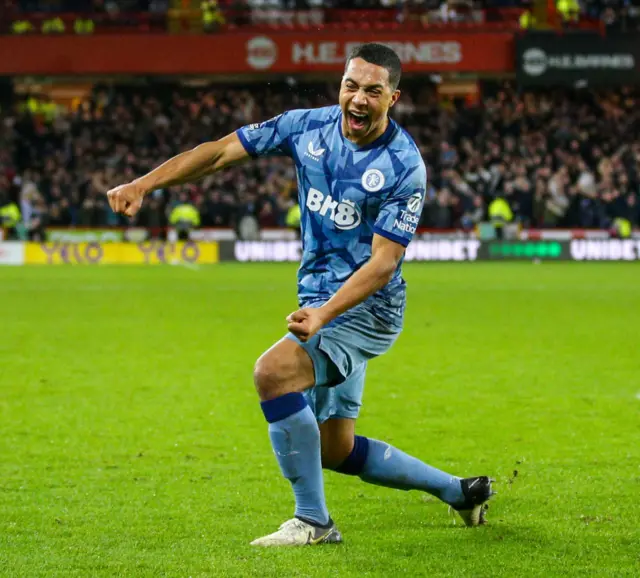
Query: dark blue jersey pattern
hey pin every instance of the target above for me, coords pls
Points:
(347, 194)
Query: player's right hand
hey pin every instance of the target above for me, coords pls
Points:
(305, 323)
(126, 199)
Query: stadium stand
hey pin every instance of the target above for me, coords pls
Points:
(117, 16)
(560, 159)
(213, 16)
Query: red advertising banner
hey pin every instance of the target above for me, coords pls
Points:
(247, 53)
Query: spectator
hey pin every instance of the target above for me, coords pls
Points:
(475, 215)
(9, 217)
(184, 217)
(500, 214)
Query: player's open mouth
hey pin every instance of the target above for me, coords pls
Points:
(357, 120)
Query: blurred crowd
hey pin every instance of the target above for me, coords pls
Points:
(149, 5)
(558, 159)
(591, 7)
(228, 14)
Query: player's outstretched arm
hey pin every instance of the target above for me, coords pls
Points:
(371, 277)
(186, 167)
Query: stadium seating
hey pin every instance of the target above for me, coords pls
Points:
(556, 168)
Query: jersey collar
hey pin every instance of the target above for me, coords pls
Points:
(382, 140)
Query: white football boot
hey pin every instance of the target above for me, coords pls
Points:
(295, 532)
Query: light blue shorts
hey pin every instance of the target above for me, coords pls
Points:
(340, 352)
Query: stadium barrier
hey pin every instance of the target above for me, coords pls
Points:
(147, 253)
(457, 250)
(66, 235)
(139, 234)
(203, 252)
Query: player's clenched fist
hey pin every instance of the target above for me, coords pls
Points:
(305, 323)
(126, 199)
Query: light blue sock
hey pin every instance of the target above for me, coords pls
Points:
(295, 438)
(381, 464)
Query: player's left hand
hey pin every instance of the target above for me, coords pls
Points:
(305, 323)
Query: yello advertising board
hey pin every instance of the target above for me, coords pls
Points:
(147, 253)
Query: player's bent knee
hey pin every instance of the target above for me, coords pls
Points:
(335, 455)
(280, 370)
(267, 377)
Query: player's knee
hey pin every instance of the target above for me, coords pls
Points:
(271, 376)
(265, 376)
(284, 368)
(334, 455)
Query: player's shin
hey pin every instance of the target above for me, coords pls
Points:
(295, 438)
(379, 463)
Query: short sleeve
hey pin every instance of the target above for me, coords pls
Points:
(400, 212)
(270, 138)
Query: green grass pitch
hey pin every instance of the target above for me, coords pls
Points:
(132, 443)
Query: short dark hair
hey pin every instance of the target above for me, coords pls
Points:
(380, 55)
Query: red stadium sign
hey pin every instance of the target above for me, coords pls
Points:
(247, 53)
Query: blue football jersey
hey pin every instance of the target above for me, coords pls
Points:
(347, 194)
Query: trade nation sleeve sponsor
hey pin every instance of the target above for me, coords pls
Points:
(400, 212)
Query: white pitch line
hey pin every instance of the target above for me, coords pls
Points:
(186, 265)
(191, 266)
